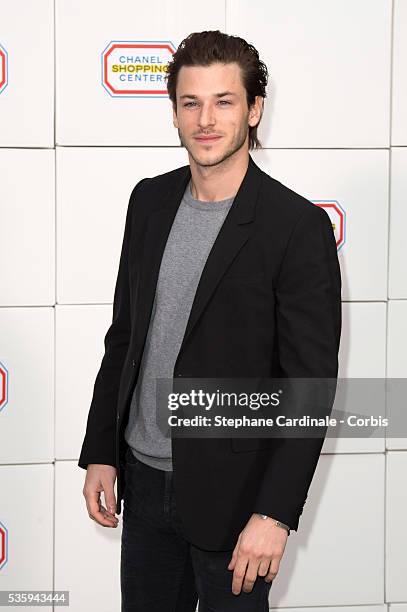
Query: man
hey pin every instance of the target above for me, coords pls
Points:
(224, 273)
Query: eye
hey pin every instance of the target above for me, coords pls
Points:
(221, 102)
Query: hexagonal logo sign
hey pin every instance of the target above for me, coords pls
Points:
(338, 219)
(3, 386)
(3, 68)
(3, 545)
(136, 68)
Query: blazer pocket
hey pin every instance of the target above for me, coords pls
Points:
(235, 277)
(241, 445)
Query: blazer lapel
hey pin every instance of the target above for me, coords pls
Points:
(157, 230)
(235, 231)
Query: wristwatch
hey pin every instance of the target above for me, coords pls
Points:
(279, 523)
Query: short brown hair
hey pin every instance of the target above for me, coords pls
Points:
(208, 47)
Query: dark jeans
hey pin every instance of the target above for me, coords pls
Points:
(160, 570)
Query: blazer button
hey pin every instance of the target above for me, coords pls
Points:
(133, 363)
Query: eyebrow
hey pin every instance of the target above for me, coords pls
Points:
(218, 95)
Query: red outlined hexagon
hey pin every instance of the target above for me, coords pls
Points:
(338, 219)
(3, 68)
(132, 45)
(3, 386)
(3, 545)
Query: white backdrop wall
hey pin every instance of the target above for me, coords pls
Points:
(334, 129)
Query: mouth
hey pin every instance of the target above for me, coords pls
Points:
(207, 139)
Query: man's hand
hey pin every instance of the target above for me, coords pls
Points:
(259, 548)
(101, 478)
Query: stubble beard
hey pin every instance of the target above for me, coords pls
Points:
(235, 146)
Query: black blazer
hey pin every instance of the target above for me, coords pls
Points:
(268, 304)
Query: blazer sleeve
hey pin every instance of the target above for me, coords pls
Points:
(308, 320)
(99, 442)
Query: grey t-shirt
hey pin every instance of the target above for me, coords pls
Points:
(193, 232)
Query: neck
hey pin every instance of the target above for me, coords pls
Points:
(215, 183)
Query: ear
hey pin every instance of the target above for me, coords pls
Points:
(256, 111)
(174, 116)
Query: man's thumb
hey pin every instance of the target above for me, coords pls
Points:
(110, 502)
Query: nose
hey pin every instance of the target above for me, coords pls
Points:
(206, 116)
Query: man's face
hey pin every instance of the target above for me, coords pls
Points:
(211, 101)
